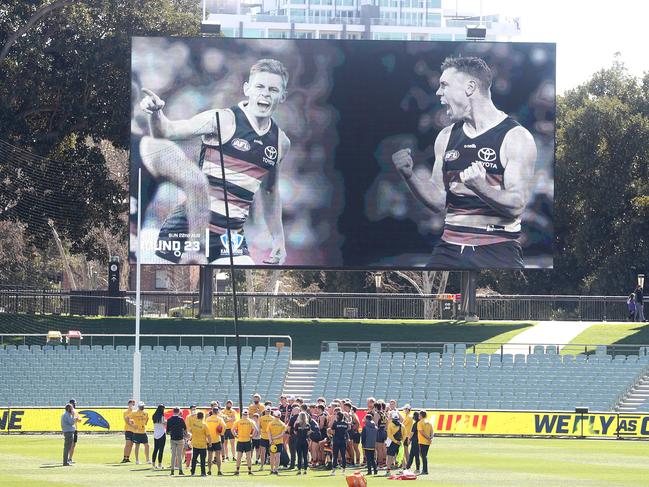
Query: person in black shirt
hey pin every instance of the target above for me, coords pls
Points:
(292, 438)
(177, 430)
(414, 443)
(300, 430)
(639, 309)
(339, 431)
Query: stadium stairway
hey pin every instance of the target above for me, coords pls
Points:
(300, 378)
(637, 399)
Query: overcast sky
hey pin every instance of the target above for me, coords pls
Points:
(587, 32)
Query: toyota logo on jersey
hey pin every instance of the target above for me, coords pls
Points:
(270, 152)
(487, 154)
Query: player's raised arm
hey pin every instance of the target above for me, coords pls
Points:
(431, 192)
(272, 207)
(162, 127)
(519, 157)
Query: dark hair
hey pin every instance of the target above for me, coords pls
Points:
(176, 410)
(159, 413)
(321, 407)
(68, 407)
(304, 407)
(415, 416)
(473, 66)
(200, 415)
(422, 414)
(339, 416)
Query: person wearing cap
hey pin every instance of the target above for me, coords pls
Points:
(264, 444)
(256, 407)
(407, 424)
(275, 430)
(396, 434)
(77, 419)
(128, 431)
(244, 430)
(368, 440)
(68, 427)
(140, 419)
(177, 431)
(216, 427)
(201, 441)
(425, 437)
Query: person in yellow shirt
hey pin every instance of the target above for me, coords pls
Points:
(201, 440)
(243, 430)
(396, 434)
(229, 415)
(216, 427)
(275, 430)
(407, 421)
(264, 445)
(191, 416)
(257, 407)
(139, 419)
(425, 436)
(128, 431)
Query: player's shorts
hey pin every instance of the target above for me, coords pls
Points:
(76, 436)
(356, 437)
(244, 446)
(128, 435)
(264, 443)
(228, 435)
(280, 447)
(172, 239)
(140, 438)
(214, 447)
(393, 449)
(505, 255)
(255, 443)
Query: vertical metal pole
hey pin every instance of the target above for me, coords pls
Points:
(136, 353)
(232, 280)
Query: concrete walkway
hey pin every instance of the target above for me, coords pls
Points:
(546, 333)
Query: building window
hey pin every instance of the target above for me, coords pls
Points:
(161, 279)
(253, 33)
(297, 15)
(434, 20)
(326, 35)
(278, 34)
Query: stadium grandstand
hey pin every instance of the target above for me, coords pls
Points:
(453, 378)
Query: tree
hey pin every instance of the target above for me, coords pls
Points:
(601, 190)
(64, 84)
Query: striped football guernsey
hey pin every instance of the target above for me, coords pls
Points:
(469, 220)
(248, 157)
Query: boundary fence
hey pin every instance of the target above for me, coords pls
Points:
(313, 306)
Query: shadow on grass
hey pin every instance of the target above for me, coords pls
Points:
(53, 465)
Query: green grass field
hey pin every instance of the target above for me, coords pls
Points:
(31, 461)
(615, 333)
(306, 334)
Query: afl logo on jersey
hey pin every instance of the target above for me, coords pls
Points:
(451, 155)
(240, 144)
(487, 154)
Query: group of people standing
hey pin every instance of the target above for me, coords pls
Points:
(294, 434)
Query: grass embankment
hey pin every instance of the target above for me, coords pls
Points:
(307, 335)
(34, 461)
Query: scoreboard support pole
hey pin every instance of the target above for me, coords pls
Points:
(468, 308)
